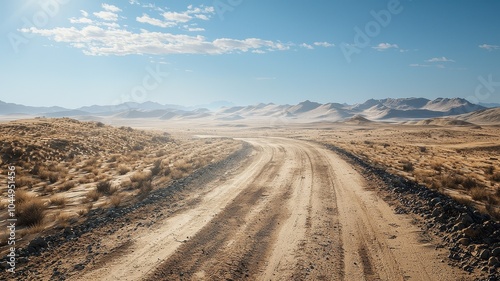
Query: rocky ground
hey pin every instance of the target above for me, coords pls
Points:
(472, 238)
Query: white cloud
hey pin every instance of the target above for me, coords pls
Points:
(441, 59)
(177, 17)
(307, 46)
(94, 40)
(152, 21)
(84, 13)
(133, 2)
(324, 44)
(80, 20)
(111, 8)
(202, 17)
(195, 29)
(109, 16)
(385, 46)
(489, 47)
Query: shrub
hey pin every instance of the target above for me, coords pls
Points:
(469, 183)
(122, 169)
(67, 186)
(478, 193)
(31, 212)
(156, 169)
(140, 176)
(104, 187)
(489, 170)
(496, 177)
(93, 195)
(408, 167)
(58, 200)
(116, 200)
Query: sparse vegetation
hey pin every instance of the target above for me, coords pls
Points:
(63, 163)
(31, 211)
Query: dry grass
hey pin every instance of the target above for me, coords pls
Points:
(58, 200)
(31, 211)
(123, 169)
(442, 158)
(93, 195)
(64, 163)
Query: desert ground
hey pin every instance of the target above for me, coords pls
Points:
(266, 200)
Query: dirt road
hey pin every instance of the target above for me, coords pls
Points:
(295, 211)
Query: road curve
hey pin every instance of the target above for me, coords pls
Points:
(296, 211)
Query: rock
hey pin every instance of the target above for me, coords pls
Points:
(436, 212)
(79, 266)
(435, 200)
(493, 261)
(472, 231)
(496, 252)
(466, 220)
(485, 254)
(464, 241)
(36, 244)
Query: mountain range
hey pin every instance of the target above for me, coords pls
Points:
(383, 109)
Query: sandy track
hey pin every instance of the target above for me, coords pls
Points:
(296, 212)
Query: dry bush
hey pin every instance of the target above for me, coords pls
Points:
(24, 181)
(67, 186)
(161, 153)
(156, 169)
(91, 162)
(58, 200)
(140, 177)
(182, 165)
(489, 170)
(408, 167)
(116, 200)
(105, 187)
(451, 180)
(469, 183)
(167, 171)
(479, 194)
(22, 196)
(495, 177)
(31, 212)
(93, 195)
(63, 219)
(86, 210)
(122, 169)
(145, 188)
(176, 174)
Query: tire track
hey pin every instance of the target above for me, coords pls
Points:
(237, 240)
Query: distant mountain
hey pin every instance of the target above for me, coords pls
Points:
(389, 109)
(215, 105)
(129, 106)
(13, 108)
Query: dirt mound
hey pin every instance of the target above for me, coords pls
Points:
(445, 122)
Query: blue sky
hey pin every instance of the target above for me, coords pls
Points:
(73, 52)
